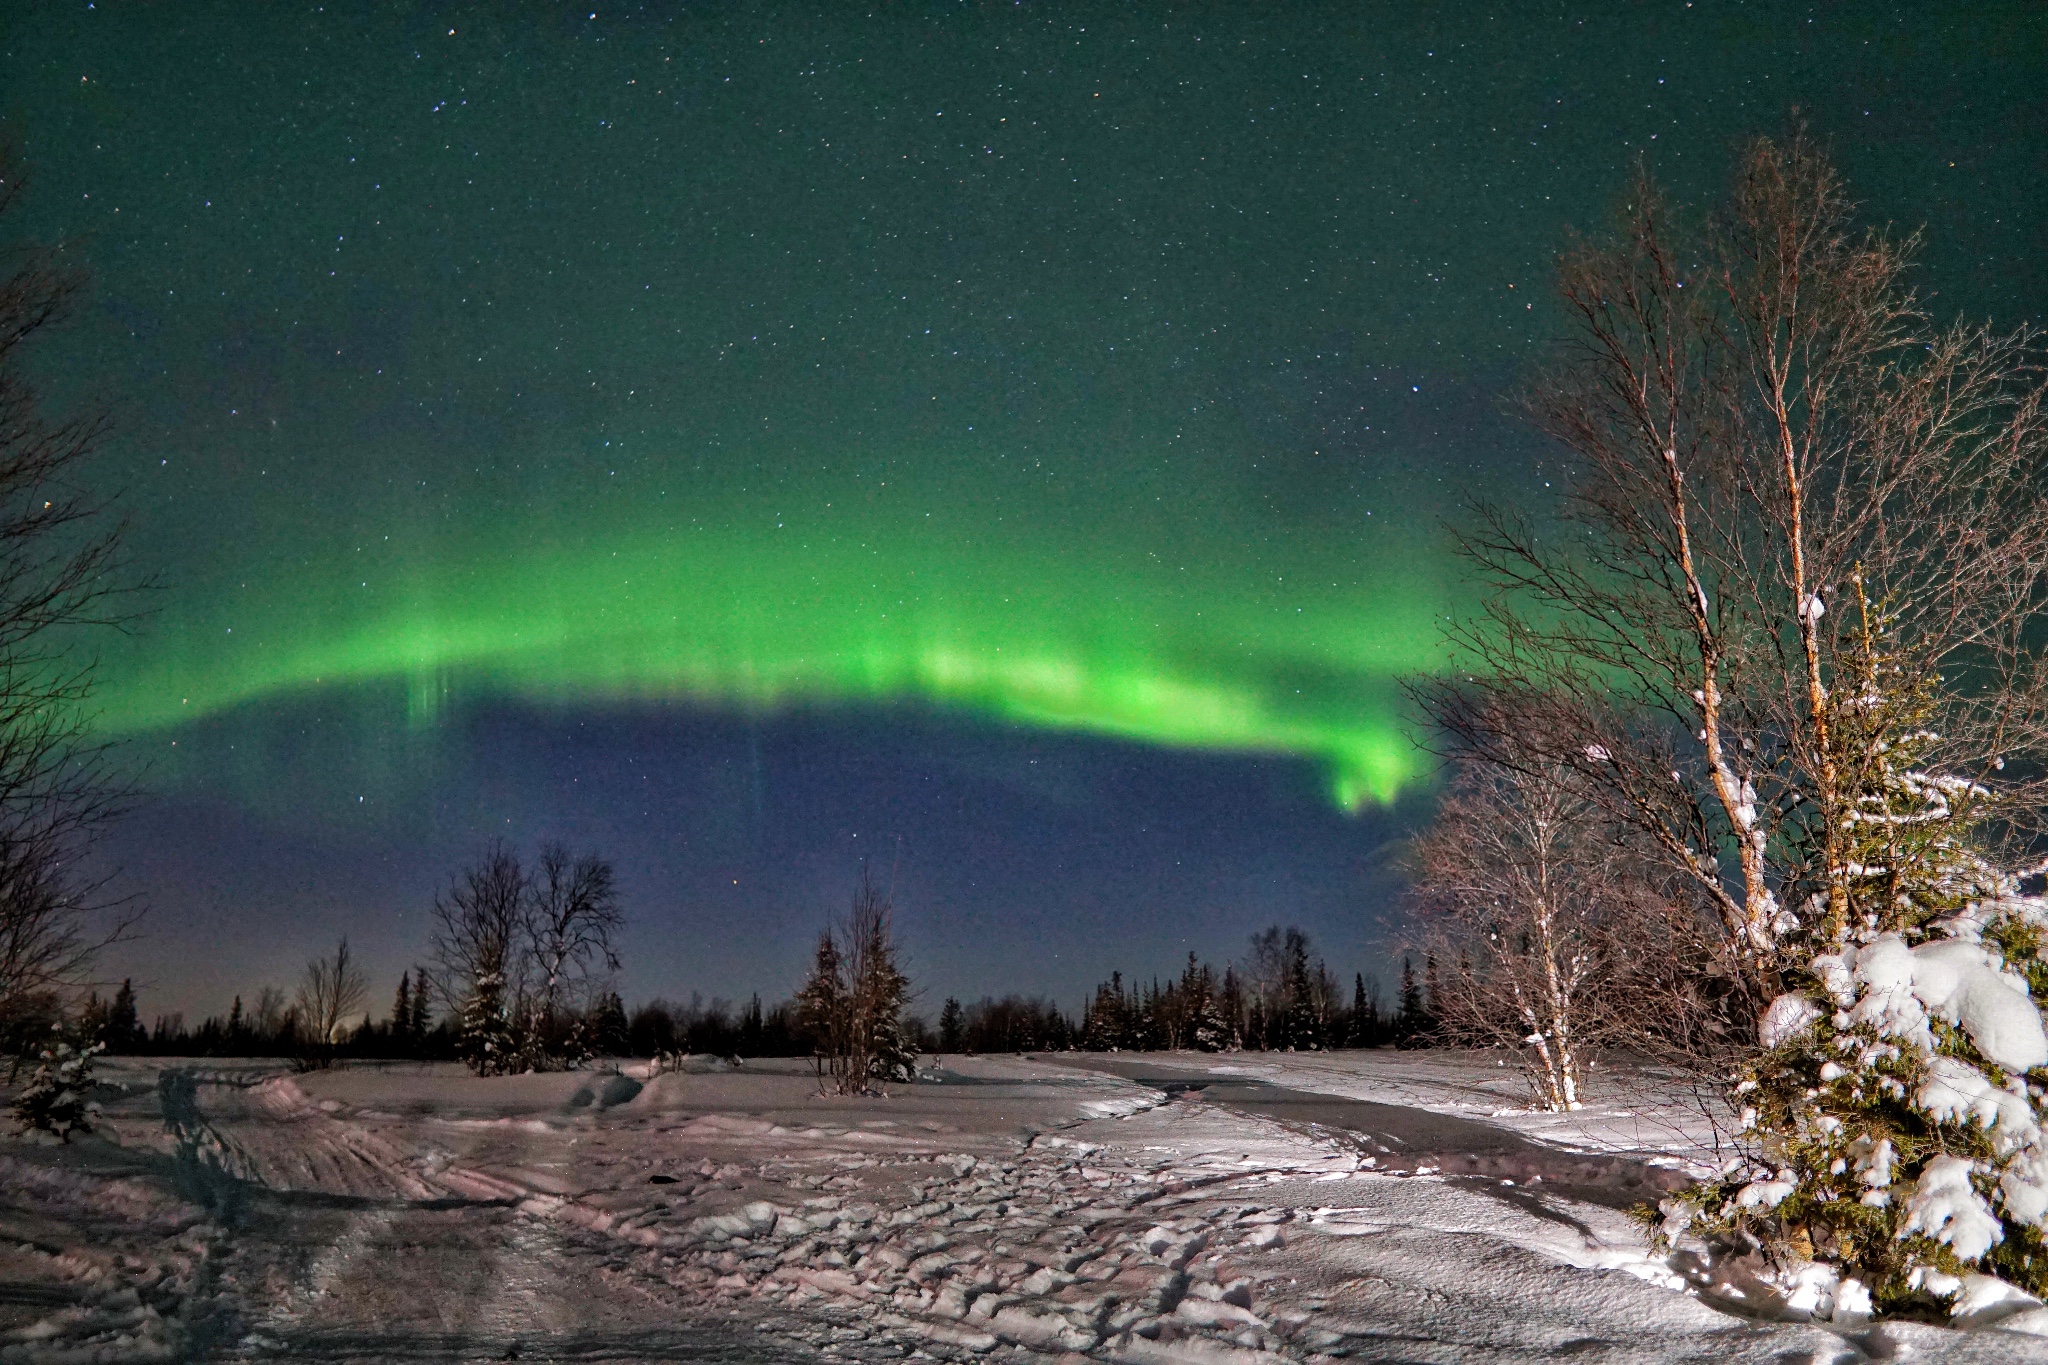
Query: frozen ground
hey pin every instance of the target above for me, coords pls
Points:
(1371, 1206)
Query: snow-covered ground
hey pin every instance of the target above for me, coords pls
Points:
(1374, 1206)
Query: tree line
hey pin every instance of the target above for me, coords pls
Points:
(1280, 996)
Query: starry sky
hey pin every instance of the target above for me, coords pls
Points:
(1007, 442)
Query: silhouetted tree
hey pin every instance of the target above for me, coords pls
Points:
(1304, 1019)
(1230, 1003)
(1208, 1028)
(1365, 1014)
(1015, 1024)
(1107, 1025)
(331, 990)
(570, 915)
(273, 1020)
(401, 1013)
(950, 1020)
(60, 582)
(123, 1029)
(1413, 1020)
(821, 1005)
(878, 986)
(477, 930)
(421, 1021)
(608, 1025)
(852, 1005)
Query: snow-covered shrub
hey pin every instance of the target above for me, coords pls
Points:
(484, 1037)
(54, 1103)
(1209, 1031)
(1895, 1116)
(1894, 1127)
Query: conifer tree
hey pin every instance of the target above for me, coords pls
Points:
(950, 1020)
(55, 1103)
(821, 1007)
(852, 1005)
(1208, 1030)
(1891, 1120)
(1410, 1022)
(1105, 1028)
(422, 1018)
(752, 1027)
(879, 992)
(124, 1029)
(608, 1025)
(401, 1013)
(1302, 1027)
(484, 1038)
(1152, 1025)
(1230, 1004)
(1365, 1022)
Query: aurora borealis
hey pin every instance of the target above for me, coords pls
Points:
(760, 610)
(919, 396)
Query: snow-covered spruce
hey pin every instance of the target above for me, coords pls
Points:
(1896, 1116)
(484, 1037)
(56, 1102)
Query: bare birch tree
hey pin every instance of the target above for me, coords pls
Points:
(1771, 453)
(331, 993)
(61, 575)
(572, 914)
(477, 925)
(515, 954)
(1551, 936)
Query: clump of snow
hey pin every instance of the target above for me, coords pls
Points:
(1962, 983)
(1956, 1092)
(1946, 1207)
(1986, 1300)
(1767, 1193)
(1788, 1017)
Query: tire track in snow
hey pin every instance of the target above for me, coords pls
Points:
(328, 1268)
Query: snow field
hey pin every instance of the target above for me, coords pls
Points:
(1012, 1211)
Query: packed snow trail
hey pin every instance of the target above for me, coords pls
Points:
(1398, 1139)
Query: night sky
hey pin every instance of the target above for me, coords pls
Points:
(1009, 442)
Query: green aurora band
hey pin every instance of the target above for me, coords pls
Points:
(741, 607)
